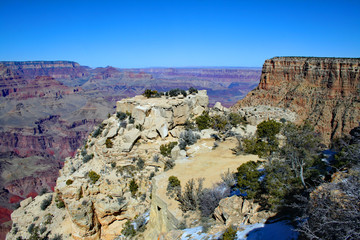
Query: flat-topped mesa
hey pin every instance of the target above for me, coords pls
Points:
(55, 69)
(324, 91)
(159, 115)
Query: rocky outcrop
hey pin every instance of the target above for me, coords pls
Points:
(159, 115)
(94, 185)
(324, 91)
(223, 85)
(49, 107)
(240, 211)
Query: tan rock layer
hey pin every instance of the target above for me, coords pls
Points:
(324, 91)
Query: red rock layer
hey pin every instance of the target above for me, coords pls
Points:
(55, 69)
(325, 91)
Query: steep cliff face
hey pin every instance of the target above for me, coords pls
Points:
(325, 91)
(223, 85)
(55, 69)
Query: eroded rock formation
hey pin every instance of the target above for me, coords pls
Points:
(47, 109)
(98, 208)
(325, 91)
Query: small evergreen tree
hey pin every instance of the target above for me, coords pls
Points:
(133, 187)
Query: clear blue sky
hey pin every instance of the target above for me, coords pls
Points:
(175, 33)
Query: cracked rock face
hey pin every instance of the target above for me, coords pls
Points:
(324, 91)
(238, 210)
(159, 115)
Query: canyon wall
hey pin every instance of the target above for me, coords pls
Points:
(47, 109)
(325, 91)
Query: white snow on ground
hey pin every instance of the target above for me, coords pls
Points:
(248, 228)
(193, 233)
(281, 230)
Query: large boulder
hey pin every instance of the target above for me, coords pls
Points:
(162, 114)
(82, 216)
(107, 208)
(237, 210)
(129, 138)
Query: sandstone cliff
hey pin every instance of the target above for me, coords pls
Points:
(325, 91)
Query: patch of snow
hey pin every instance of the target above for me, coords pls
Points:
(193, 233)
(247, 229)
(281, 230)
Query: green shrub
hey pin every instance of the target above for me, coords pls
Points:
(139, 127)
(173, 187)
(88, 157)
(98, 130)
(169, 164)
(133, 187)
(108, 143)
(57, 237)
(173, 182)
(43, 191)
(83, 152)
(35, 234)
(248, 178)
(187, 138)
(203, 121)
(193, 90)
(140, 163)
(235, 119)
(268, 129)
(128, 230)
(174, 92)
(60, 204)
(152, 174)
(151, 93)
(229, 234)
(121, 115)
(156, 158)
(278, 183)
(165, 149)
(219, 123)
(189, 125)
(253, 145)
(31, 228)
(42, 230)
(93, 176)
(15, 229)
(48, 218)
(131, 120)
(69, 182)
(183, 92)
(189, 198)
(45, 203)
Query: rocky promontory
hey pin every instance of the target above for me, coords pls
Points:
(118, 178)
(324, 91)
(48, 108)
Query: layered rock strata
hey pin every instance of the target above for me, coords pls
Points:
(324, 91)
(94, 186)
(47, 109)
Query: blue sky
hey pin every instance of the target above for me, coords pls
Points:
(177, 33)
